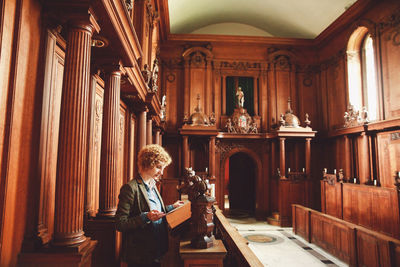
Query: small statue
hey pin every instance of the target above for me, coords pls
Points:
(282, 120)
(146, 75)
(253, 128)
(240, 97)
(307, 122)
(364, 115)
(346, 118)
(154, 77)
(341, 176)
(163, 108)
(185, 118)
(212, 118)
(229, 126)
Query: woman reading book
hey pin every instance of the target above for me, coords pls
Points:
(141, 211)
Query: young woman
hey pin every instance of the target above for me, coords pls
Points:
(141, 211)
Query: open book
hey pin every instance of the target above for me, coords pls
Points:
(177, 216)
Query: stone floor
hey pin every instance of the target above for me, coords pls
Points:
(277, 246)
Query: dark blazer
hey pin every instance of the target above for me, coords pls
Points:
(139, 244)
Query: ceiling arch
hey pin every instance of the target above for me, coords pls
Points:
(284, 18)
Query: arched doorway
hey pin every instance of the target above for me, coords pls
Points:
(241, 184)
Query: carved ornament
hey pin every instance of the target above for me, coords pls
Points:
(353, 117)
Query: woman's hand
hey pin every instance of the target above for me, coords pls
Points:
(155, 215)
(178, 204)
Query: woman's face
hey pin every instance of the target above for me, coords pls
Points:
(156, 172)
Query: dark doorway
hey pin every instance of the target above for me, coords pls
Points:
(241, 185)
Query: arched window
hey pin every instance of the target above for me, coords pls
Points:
(361, 67)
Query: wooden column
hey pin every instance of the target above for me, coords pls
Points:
(185, 151)
(347, 166)
(149, 132)
(186, 96)
(131, 148)
(208, 99)
(223, 95)
(110, 141)
(255, 90)
(211, 148)
(71, 168)
(308, 157)
(157, 136)
(364, 168)
(142, 129)
(282, 157)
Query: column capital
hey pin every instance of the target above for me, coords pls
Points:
(76, 14)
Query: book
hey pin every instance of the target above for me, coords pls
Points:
(179, 215)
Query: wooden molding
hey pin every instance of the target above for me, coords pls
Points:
(119, 19)
(232, 39)
(355, 11)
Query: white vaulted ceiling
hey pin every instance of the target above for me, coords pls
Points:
(273, 18)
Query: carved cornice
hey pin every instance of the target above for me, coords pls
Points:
(334, 60)
(225, 147)
(391, 21)
(239, 65)
(173, 63)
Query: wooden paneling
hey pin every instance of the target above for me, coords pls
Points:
(333, 237)
(21, 80)
(388, 144)
(290, 192)
(332, 199)
(94, 151)
(49, 135)
(390, 47)
(122, 148)
(373, 207)
(169, 191)
(351, 243)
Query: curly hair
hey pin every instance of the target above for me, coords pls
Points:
(151, 155)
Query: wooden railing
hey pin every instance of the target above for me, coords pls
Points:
(374, 207)
(354, 244)
(239, 253)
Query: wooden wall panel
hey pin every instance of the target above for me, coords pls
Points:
(307, 98)
(175, 93)
(337, 94)
(390, 47)
(51, 105)
(94, 150)
(21, 80)
(373, 207)
(351, 243)
(388, 144)
(122, 148)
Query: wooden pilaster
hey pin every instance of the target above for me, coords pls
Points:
(110, 141)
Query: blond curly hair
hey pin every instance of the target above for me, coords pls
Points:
(151, 155)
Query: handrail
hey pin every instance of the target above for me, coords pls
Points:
(236, 244)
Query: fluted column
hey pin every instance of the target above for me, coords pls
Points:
(142, 129)
(157, 137)
(110, 138)
(71, 168)
(211, 148)
(308, 157)
(347, 164)
(282, 157)
(185, 152)
(149, 132)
